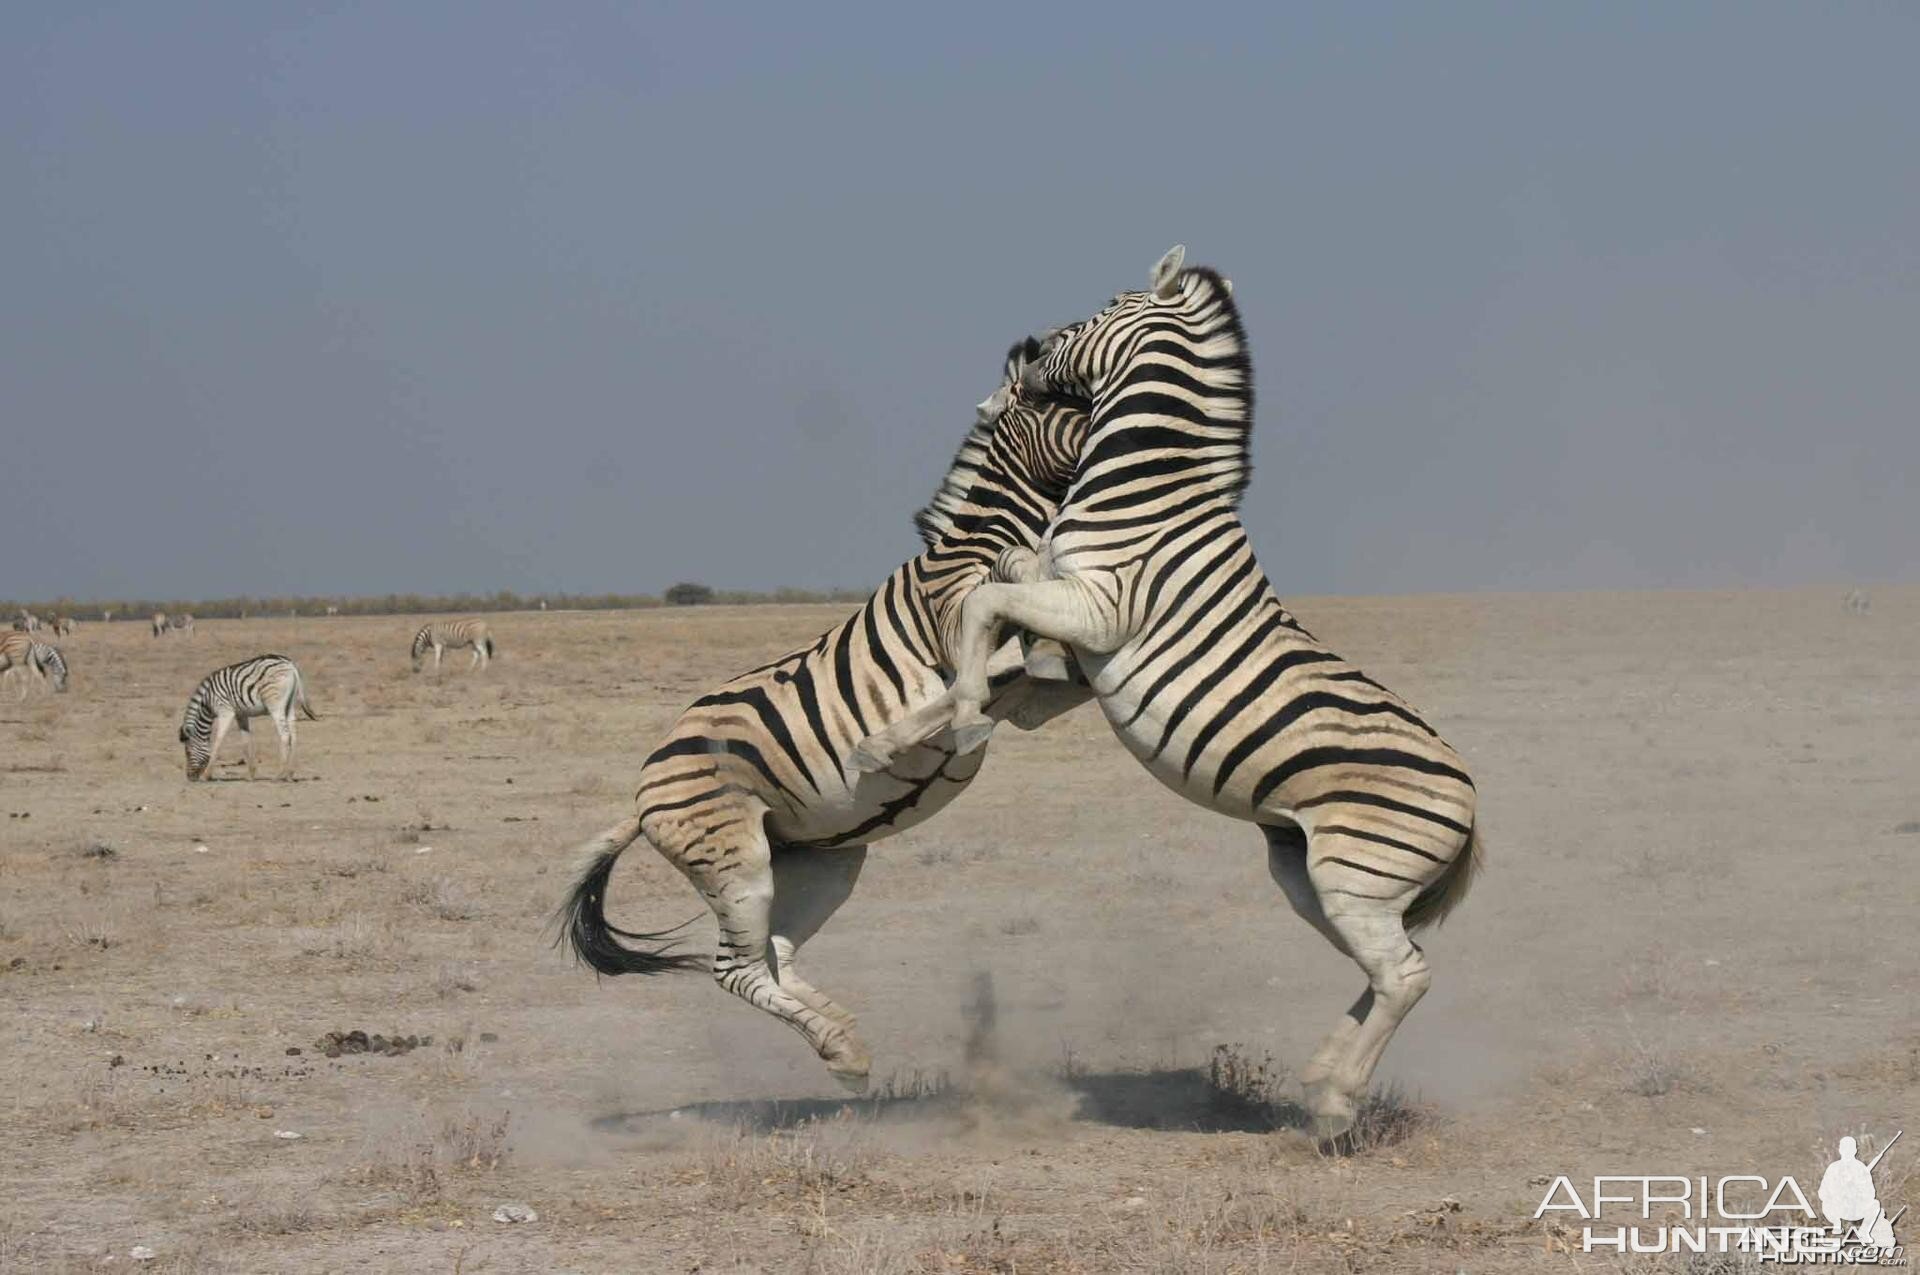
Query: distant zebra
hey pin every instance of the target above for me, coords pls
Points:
(1857, 602)
(442, 634)
(63, 626)
(21, 655)
(26, 622)
(159, 623)
(1148, 574)
(181, 624)
(264, 686)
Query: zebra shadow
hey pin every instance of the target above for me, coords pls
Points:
(1176, 1100)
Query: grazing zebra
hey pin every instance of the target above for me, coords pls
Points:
(1147, 573)
(159, 623)
(20, 655)
(63, 626)
(266, 685)
(182, 623)
(749, 796)
(442, 634)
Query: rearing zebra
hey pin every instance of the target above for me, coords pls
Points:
(441, 634)
(264, 686)
(749, 796)
(1148, 574)
(20, 655)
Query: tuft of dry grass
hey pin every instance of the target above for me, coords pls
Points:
(442, 898)
(422, 1160)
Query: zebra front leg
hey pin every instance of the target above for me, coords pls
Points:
(732, 866)
(809, 886)
(1066, 610)
(1046, 659)
(222, 723)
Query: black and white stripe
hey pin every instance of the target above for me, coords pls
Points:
(439, 635)
(264, 686)
(1207, 678)
(21, 655)
(751, 795)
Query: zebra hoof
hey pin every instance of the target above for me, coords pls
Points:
(870, 756)
(971, 734)
(1047, 662)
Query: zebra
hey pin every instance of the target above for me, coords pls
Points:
(1148, 575)
(26, 622)
(159, 623)
(20, 655)
(749, 796)
(182, 623)
(63, 626)
(441, 634)
(266, 685)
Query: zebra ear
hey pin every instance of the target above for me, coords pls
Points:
(1165, 281)
(990, 408)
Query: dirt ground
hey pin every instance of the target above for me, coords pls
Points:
(1692, 951)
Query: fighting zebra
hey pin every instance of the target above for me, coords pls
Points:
(264, 686)
(442, 634)
(749, 796)
(1148, 574)
(21, 655)
(63, 626)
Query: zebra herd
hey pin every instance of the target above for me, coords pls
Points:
(267, 686)
(1093, 511)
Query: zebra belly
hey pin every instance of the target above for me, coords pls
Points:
(921, 783)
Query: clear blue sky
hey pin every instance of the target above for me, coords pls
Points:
(437, 296)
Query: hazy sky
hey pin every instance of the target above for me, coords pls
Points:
(438, 296)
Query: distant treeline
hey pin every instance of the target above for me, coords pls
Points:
(683, 594)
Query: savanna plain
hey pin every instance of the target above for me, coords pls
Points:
(1691, 951)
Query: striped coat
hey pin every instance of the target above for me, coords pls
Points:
(441, 634)
(21, 656)
(264, 686)
(1204, 675)
(750, 794)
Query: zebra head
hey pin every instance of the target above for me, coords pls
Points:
(196, 733)
(1190, 305)
(51, 664)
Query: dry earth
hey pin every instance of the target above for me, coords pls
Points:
(1692, 952)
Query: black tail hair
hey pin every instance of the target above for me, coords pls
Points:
(489, 641)
(583, 918)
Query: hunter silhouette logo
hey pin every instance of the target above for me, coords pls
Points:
(1772, 1220)
(1850, 1201)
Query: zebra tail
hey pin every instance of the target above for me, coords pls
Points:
(1433, 904)
(583, 917)
(489, 646)
(300, 686)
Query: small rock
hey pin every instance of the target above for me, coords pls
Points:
(487, 1038)
(1698, 1132)
(515, 1212)
(116, 1061)
(421, 849)
(141, 1253)
(1909, 828)
(288, 1135)
(293, 1051)
(200, 849)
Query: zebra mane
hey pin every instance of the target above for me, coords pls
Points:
(1226, 371)
(941, 515)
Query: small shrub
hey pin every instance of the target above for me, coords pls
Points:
(687, 593)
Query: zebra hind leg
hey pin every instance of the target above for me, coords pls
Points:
(809, 886)
(283, 726)
(731, 864)
(246, 734)
(1369, 919)
(1287, 863)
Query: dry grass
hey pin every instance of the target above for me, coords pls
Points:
(422, 1159)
